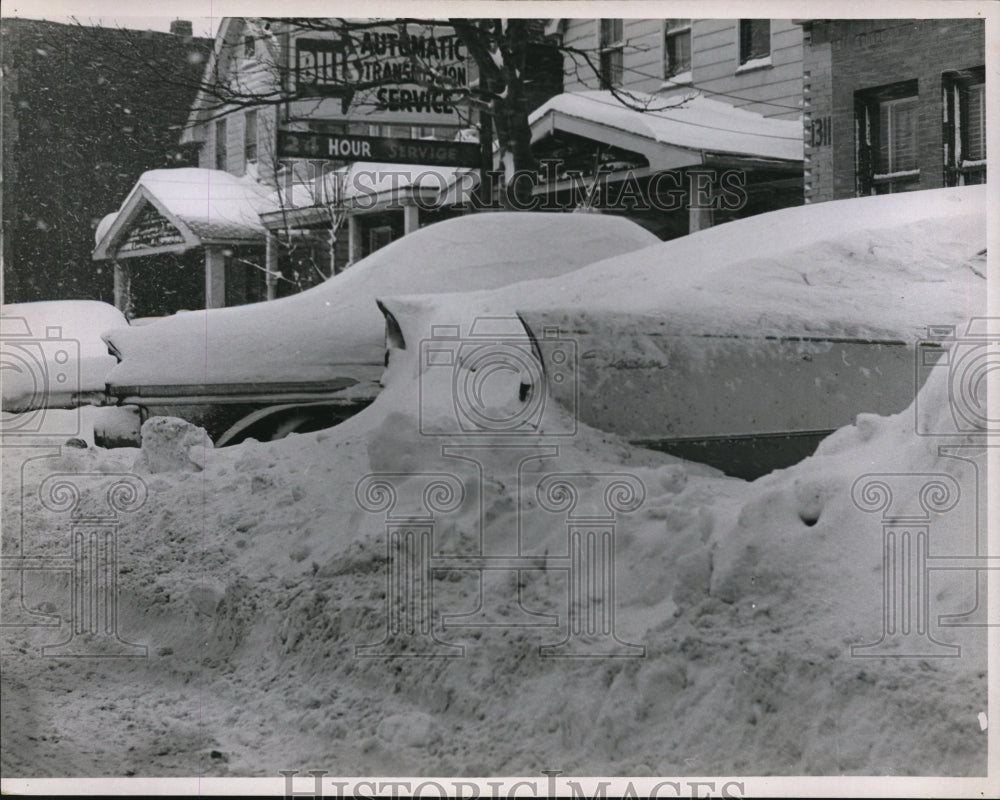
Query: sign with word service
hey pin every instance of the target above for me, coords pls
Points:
(388, 76)
(343, 147)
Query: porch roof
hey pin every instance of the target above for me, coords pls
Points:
(680, 130)
(179, 209)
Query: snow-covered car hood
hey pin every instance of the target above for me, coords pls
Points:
(863, 267)
(52, 352)
(335, 330)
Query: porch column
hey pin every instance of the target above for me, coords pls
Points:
(699, 201)
(411, 219)
(271, 264)
(123, 287)
(353, 239)
(215, 278)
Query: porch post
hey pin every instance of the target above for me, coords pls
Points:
(271, 263)
(353, 239)
(215, 278)
(123, 287)
(699, 200)
(411, 219)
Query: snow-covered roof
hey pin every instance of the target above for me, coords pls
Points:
(365, 184)
(674, 131)
(204, 205)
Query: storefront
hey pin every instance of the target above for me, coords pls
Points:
(673, 164)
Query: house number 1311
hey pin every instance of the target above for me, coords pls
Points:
(821, 132)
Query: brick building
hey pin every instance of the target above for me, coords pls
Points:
(892, 105)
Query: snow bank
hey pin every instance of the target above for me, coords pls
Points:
(262, 586)
(254, 582)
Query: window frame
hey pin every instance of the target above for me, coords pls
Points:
(674, 32)
(868, 104)
(746, 61)
(955, 89)
(606, 49)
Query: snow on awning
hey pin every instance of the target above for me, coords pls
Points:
(370, 186)
(674, 137)
(173, 210)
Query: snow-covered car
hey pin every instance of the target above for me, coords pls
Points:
(309, 361)
(741, 346)
(53, 357)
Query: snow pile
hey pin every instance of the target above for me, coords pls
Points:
(336, 329)
(170, 444)
(269, 586)
(255, 581)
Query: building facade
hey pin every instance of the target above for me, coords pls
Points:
(753, 64)
(318, 212)
(677, 124)
(697, 118)
(893, 105)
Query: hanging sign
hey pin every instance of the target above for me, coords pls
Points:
(342, 147)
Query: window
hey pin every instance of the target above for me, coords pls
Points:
(249, 47)
(755, 39)
(221, 156)
(677, 47)
(964, 105)
(611, 45)
(887, 135)
(250, 136)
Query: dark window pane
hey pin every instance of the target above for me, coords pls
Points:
(755, 39)
(897, 145)
(678, 46)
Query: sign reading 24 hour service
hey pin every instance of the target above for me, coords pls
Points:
(389, 72)
(338, 147)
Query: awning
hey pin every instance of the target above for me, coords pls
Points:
(676, 131)
(368, 186)
(174, 210)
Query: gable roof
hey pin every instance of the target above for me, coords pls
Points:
(219, 69)
(206, 206)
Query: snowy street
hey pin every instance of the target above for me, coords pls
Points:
(251, 576)
(499, 407)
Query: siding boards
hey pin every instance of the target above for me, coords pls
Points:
(714, 56)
